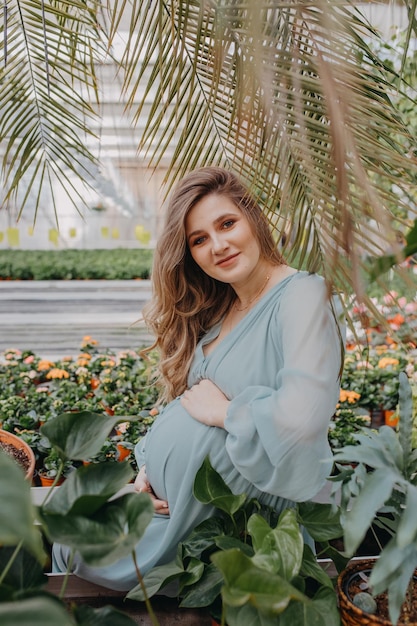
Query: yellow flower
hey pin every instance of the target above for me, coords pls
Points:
(84, 355)
(57, 373)
(108, 363)
(83, 362)
(44, 364)
(349, 396)
(88, 340)
(386, 360)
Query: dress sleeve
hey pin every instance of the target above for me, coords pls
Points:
(140, 451)
(277, 437)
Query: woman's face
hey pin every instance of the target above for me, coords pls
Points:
(220, 239)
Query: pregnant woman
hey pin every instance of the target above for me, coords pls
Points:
(250, 361)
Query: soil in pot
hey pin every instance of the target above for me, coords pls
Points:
(350, 583)
(19, 451)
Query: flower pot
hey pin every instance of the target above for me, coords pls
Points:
(391, 418)
(350, 614)
(48, 481)
(20, 451)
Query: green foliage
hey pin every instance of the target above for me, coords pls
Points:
(252, 561)
(114, 264)
(86, 513)
(378, 476)
(117, 387)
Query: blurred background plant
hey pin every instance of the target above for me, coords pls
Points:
(34, 390)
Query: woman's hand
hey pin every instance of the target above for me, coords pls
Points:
(206, 403)
(142, 485)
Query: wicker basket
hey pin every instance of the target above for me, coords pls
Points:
(350, 614)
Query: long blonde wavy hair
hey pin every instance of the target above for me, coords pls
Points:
(186, 302)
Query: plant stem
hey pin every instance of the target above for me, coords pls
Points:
(11, 561)
(149, 608)
(67, 573)
(57, 477)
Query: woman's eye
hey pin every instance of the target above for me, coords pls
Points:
(198, 241)
(228, 223)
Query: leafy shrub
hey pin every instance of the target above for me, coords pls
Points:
(115, 264)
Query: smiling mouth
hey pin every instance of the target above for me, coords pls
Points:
(227, 259)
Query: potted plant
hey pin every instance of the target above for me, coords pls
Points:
(88, 494)
(54, 469)
(380, 488)
(249, 565)
(20, 451)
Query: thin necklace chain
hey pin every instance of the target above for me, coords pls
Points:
(255, 297)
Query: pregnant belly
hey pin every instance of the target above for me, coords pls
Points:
(175, 449)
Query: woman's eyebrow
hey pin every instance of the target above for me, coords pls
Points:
(217, 221)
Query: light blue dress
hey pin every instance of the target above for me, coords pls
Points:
(280, 368)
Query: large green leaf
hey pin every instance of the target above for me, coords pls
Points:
(79, 435)
(393, 571)
(104, 616)
(280, 551)
(312, 569)
(111, 534)
(322, 521)
(210, 488)
(246, 583)
(88, 488)
(157, 578)
(205, 535)
(24, 574)
(375, 492)
(38, 611)
(205, 592)
(406, 410)
(322, 610)
(17, 515)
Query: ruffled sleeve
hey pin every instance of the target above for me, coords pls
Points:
(277, 437)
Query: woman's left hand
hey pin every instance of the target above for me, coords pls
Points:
(206, 403)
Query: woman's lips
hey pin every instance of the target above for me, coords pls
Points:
(227, 261)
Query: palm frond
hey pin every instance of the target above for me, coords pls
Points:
(291, 96)
(44, 115)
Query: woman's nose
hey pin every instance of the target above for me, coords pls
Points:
(218, 244)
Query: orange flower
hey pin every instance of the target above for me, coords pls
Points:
(386, 360)
(88, 340)
(84, 355)
(153, 412)
(83, 362)
(349, 396)
(57, 373)
(44, 364)
(108, 363)
(398, 319)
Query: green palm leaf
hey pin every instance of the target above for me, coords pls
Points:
(288, 94)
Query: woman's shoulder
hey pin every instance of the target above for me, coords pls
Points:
(301, 279)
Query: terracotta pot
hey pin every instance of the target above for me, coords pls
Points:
(350, 614)
(391, 418)
(13, 440)
(47, 481)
